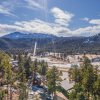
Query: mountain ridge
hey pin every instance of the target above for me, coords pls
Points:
(17, 35)
(47, 42)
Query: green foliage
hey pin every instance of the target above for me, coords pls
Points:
(87, 81)
(53, 79)
(72, 95)
(28, 67)
(42, 68)
(2, 94)
(63, 91)
(6, 71)
(25, 65)
(23, 74)
(23, 93)
(5, 67)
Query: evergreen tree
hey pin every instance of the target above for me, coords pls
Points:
(28, 67)
(22, 84)
(87, 81)
(53, 80)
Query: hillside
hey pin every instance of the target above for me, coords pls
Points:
(19, 35)
(48, 42)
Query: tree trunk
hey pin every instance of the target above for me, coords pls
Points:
(10, 94)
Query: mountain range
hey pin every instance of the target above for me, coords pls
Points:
(48, 42)
(18, 35)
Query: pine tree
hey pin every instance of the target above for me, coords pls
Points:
(87, 81)
(22, 84)
(53, 80)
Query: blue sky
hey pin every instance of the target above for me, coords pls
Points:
(58, 17)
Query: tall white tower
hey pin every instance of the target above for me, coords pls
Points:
(34, 54)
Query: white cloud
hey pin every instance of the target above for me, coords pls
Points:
(87, 31)
(39, 26)
(95, 21)
(5, 11)
(41, 5)
(34, 26)
(62, 17)
(85, 19)
(34, 4)
(59, 27)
